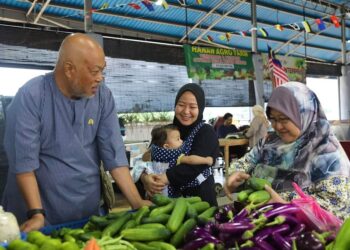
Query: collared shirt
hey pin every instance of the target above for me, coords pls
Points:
(63, 142)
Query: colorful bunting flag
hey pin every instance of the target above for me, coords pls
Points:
(165, 4)
(148, 4)
(278, 73)
(199, 1)
(279, 27)
(210, 39)
(228, 36)
(135, 6)
(264, 32)
(294, 26)
(335, 21)
(306, 26)
(104, 6)
(243, 33)
(321, 25)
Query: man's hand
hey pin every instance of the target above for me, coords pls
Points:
(233, 181)
(275, 197)
(34, 223)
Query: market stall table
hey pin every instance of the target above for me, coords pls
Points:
(226, 143)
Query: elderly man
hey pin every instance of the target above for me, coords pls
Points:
(58, 129)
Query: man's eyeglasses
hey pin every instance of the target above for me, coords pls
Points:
(282, 121)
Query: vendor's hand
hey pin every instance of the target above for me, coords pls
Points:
(152, 183)
(34, 223)
(275, 197)
(233, 181)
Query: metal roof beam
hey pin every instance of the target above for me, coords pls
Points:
(42, 10)
(31, 7)
(106, 29)
(202, 19)
(189, 8)
(217, 21)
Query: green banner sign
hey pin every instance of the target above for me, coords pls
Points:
(218, 63)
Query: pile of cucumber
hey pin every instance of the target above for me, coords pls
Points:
(162, 226)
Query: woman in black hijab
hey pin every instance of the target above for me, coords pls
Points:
(190, 180)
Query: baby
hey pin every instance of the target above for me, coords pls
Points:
(167, 150)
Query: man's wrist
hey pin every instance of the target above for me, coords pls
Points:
(32, 212)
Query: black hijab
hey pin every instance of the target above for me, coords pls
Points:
(198, 92)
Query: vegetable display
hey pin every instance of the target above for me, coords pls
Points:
(191, 224)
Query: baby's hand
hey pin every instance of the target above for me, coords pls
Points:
(210, 160)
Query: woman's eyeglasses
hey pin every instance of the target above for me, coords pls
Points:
(282, 121)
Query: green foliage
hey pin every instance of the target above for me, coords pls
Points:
(133, 118)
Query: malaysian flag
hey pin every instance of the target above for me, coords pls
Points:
(278, 73)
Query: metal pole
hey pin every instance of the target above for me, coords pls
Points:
(343, 36)
(254, 26)
(88, 16)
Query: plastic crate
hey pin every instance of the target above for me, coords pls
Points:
(73, 224)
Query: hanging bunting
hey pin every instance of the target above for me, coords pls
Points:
(165, 4)
(321, 25)
(104, 6)
(306, 26)
(148, 5)
(228, 37)
(335, 21)
(294, 26)
(210, 39)
(222, 37)
(279, 27)
(199, 1)
(135, 6)
(243, 33)
(264, 32)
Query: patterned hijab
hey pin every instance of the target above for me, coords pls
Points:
(314, 156)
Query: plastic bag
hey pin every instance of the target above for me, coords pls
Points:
(313, 214)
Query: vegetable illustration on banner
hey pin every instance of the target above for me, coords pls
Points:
(218, 63)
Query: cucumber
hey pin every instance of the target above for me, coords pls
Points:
(130, 224)
(115, 215)
(243, 195)
(145, 234)
(93, 234)
(100, 221)
(142, 246)
(162, 218)
(206, 215)
(201, 206)
(114, 228)
(259, 197)
(160, 200)
(179, 237)
(193, 199)
(140, 213)
(161, 245)
(163, 209)
(151, 225)
(258, 183)
(191, 211)
(177, 215)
